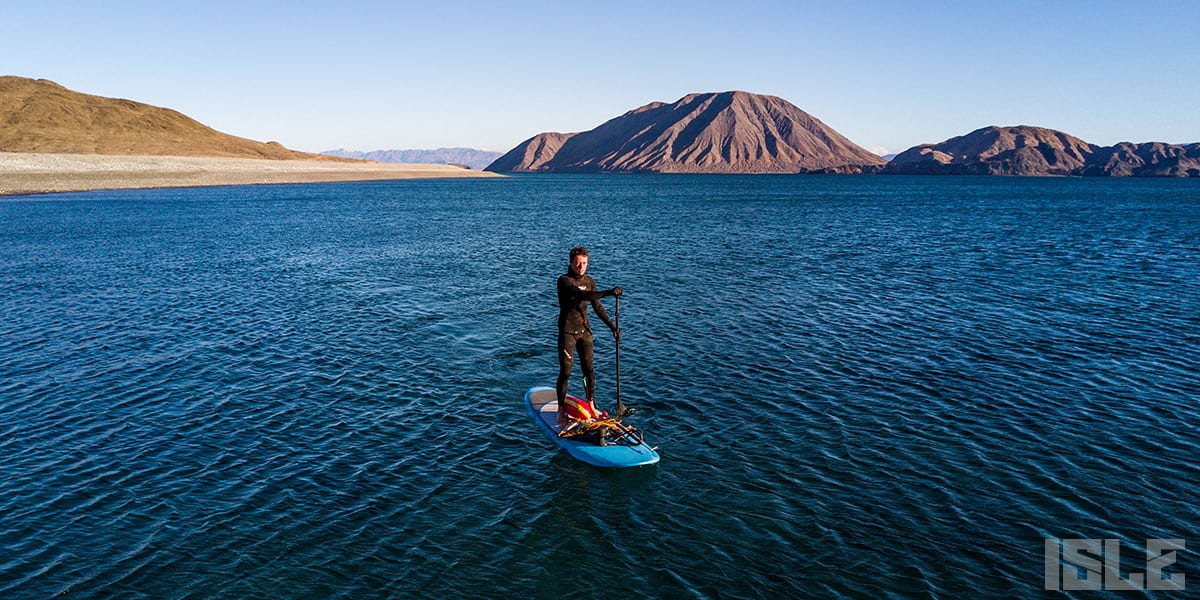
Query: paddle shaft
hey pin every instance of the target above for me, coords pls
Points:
(617, 322)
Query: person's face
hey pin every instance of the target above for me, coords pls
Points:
(579, 265)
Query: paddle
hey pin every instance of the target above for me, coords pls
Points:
(617, 321)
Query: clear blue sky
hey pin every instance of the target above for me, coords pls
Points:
(396, 75)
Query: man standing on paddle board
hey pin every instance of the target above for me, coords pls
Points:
(575, 290)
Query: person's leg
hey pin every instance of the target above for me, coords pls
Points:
(566, 359)
(586, 351)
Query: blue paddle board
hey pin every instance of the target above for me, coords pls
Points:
(542, 405)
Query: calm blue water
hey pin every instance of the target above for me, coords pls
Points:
(861, 387)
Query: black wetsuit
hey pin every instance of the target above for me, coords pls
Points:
(574, 331)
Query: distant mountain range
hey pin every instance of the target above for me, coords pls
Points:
(1025, 150)
(739, 132)
(37, 115)
(728, 132)
(467, 157)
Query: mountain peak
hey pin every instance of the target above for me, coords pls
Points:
(1028, 150)
(715, 132)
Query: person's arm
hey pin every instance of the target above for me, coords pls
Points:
(603, 314)
(572, 294)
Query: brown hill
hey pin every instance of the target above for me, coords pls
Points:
(1024, 150)
(37, 115)
(729, 132)
(1149, 159)
(531, 155)
(1020, 150)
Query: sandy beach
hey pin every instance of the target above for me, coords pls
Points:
(28, 173)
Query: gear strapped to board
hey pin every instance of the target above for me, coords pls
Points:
(604, 431)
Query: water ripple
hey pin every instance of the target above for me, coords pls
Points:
(860, 387)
